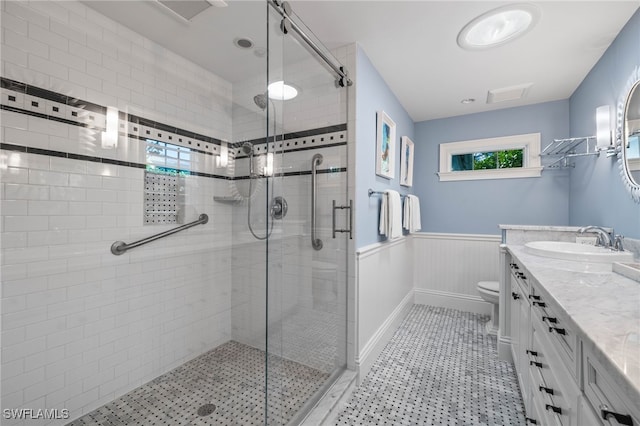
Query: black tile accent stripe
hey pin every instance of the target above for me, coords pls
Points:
(26, 89)
(294, 135)
(300, 173)
(50, 117)
(20, 87)
(39, 92)
(53, 153)
(288, 150)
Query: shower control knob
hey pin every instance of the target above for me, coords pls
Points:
(279, 207)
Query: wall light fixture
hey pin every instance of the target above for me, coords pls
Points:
(603, 128)
(110, 135)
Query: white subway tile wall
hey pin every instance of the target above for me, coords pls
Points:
(81, 326)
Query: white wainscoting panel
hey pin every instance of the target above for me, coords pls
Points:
(384, 295)
(447, 268)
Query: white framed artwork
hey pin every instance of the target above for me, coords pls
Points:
(385, 146)
(406, 162)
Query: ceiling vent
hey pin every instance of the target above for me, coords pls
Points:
(188, 9)
(511, 93)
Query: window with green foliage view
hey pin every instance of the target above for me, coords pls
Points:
(487, 160)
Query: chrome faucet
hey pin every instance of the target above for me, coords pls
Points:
(605, 239)
(617, 243)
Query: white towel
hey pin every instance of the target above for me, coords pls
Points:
(391, 214)
(411, 214)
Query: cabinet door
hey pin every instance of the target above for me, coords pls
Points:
(612, 406)
(586, 416)
(516, 301)
(524, 336)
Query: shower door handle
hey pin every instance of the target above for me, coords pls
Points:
(316, 243)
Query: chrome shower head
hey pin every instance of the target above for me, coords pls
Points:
(247, 148)
(260, 100)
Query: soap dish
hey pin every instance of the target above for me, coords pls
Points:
(629, 270)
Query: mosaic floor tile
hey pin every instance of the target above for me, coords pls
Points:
(440, 368)
(221, 387)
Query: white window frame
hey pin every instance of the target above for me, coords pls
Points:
(531, 162)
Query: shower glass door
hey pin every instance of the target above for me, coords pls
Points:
(305, 282)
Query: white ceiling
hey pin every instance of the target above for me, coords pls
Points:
(411, 43)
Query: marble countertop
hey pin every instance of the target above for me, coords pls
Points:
(604, 308)
(539, 227)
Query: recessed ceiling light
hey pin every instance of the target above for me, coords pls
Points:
(243, 42)
(280, 91)
(467, 101)
(498, 26)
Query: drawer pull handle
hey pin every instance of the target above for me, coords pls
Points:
(553, 408)
(551, 320)
(546, 389)
(534, 297)
(623, 419)
(536, 363)
(541, 304)
(532, 421)
(558, 330)
(514, 266)
(521, 275)
(515, 295)
(530, 352)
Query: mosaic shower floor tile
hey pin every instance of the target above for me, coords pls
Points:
(224, 386)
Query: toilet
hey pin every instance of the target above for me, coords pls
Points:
(490, 291)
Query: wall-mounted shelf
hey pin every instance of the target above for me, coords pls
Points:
(563, 149)
(227, 199)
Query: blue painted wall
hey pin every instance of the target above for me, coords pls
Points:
(597, 195)
(373, 95)
(478, 207)
(592, 193)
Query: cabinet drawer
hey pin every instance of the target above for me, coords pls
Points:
(553, 382)
(611, 407)
(541, 405)
(520, 276)
(561, 335)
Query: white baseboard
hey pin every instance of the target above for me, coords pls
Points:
(383, 334)
(504, 348)
(461, 302)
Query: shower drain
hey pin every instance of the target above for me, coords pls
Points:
(206, 410)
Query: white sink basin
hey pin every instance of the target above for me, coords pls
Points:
(577, 252)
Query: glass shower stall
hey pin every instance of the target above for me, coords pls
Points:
(175, 213)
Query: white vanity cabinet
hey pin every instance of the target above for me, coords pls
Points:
(563, 383)
(548, 385)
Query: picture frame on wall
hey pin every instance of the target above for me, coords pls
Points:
(406, 162)
(385, 146)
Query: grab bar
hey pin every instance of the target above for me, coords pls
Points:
(120, 247)
(316, 243)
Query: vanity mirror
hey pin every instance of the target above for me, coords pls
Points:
(628, 135)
